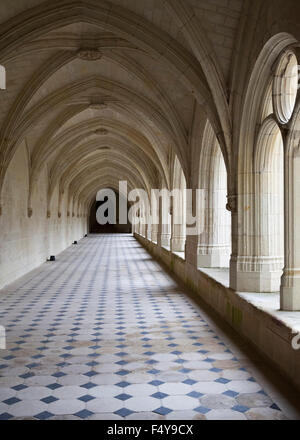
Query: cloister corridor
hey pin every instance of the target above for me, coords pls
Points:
(104, 332)
(149, 212)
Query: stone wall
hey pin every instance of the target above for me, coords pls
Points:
(26, 242)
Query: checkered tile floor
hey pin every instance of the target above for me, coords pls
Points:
(104, 333)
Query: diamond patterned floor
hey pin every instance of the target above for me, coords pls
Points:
(104, 333)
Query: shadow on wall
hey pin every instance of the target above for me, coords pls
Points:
(96, 228)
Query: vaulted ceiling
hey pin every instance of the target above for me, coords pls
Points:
(102, 91)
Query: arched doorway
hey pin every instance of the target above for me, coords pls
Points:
(96, 228)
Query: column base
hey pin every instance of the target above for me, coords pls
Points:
(164, 240)
(143, 233)
(256, 274)
(213, 260)
(263, 282)
(154, 236)
(177, 244)
(290, 293)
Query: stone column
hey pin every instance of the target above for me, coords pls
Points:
(143, 223)
(178, 221)
(164, 233)
(148, 232)
(214, 240)
(154, 218)
(154, 232)
(193, 228)
(233, 266)
(290, 280)
(191, 250)
(257, 260)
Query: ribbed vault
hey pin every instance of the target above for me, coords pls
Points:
(97, 86)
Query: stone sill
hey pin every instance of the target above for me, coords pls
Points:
(265, 302)
(220, 274)
(270, 303)
(180, 255)
(167, 249)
